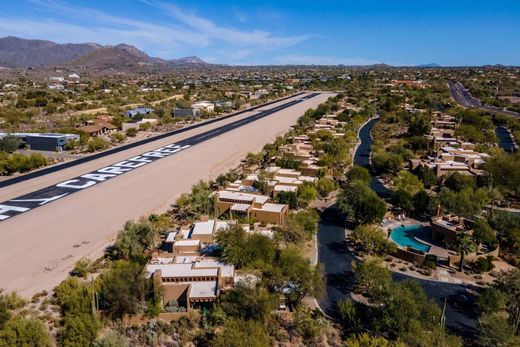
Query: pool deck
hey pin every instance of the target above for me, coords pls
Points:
(434, 249)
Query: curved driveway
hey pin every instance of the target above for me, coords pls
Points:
(337, 260)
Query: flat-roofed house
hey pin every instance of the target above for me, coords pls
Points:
(189, 281)
(185, 113)
(186, 246)
(283, 188)
(204, 106)
(445, 229)
(205, 230)
(138, 111)
(98, 129)
(43, 141)
(244, 205)
(190, 240)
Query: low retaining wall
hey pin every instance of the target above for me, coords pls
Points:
(409, 256)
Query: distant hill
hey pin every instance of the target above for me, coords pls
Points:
(110, 58)
(429, 65)
(16, 52)
(21, 53)
(188, 60)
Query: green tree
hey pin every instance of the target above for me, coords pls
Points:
(79, 325)
(238, 333)
(306, 193)
(503, 170)
(426, 175)
(249, 303)
(465, 245)
(491, 300)
(387, 162)
(97, 144)
(458, 182)
(371, 278)
(494, 329)
(288, 198)
(507, 225)
(254, 158)
(325, 185)
(299, 227)
(421, 203)
(358, 173)
(408, 182)
(509, 284)
(123, 289)
(201, 199)
(9, 143)
(232, 242)
(465, 203)
(295, 275)
(403, 199)
(131, 132)
(27, 332)
(404, 311)
(133, 240)
(372, 239)
(348, 314)
(484, 234)
(419, 124)
(361, 203)
(308, 324)
(37, 160)
(81, 268)
(5, 315)
(243, 250)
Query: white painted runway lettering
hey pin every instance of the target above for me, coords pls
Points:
(70, 184)
(6, 208)
(43, 196)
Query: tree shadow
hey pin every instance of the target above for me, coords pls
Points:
(338, 247)
(343, 281)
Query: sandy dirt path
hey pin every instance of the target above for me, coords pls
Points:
(40, 247)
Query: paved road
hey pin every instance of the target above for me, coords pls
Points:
(337, 260)
(462, 96)
(362, 158)
(39, 247)
(505, 139)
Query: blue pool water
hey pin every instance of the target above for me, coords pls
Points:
(404, 236)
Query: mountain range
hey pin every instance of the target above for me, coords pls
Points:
(21, 53)
(429, 65)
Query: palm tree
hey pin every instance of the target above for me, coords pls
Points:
(465, 245)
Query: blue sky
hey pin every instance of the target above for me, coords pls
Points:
(398, 32)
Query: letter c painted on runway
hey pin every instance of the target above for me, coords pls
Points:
(69, 184)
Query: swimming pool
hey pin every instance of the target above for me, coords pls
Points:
(404, 236)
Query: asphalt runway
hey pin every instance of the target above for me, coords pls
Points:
(39, 247)
(27, 202)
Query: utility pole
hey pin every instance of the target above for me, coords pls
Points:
(443, 315)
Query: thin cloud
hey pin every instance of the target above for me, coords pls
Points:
(229, 35)
(186, 34)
